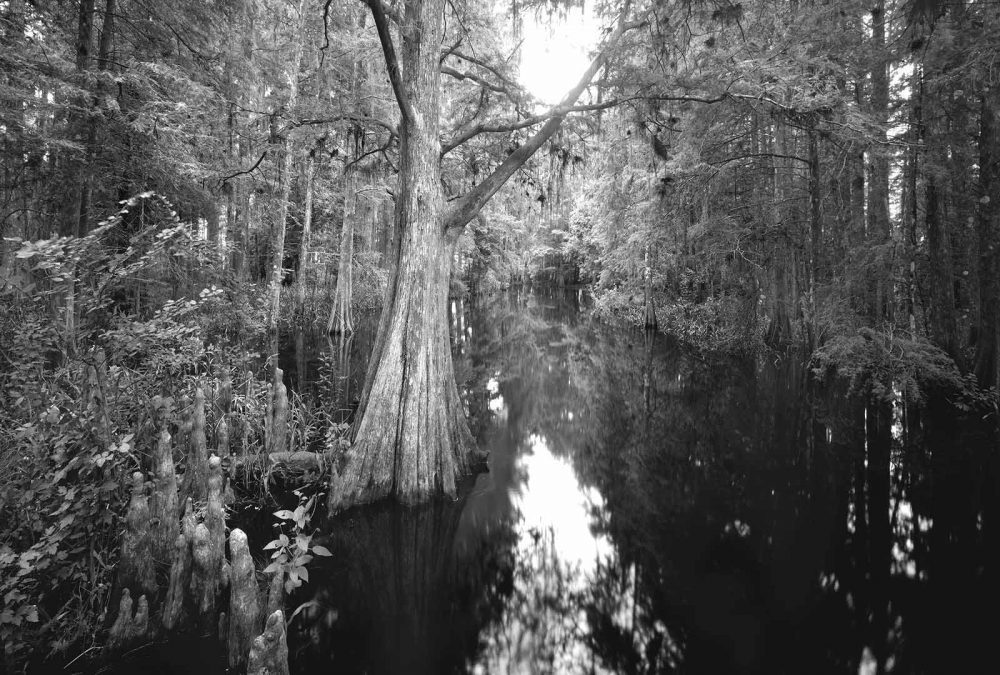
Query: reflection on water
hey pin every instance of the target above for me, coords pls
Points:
(648, 510)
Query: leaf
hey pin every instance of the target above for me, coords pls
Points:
(321, 550)
(273, 567)
(304, 605)
(272, 544)
(284, 514)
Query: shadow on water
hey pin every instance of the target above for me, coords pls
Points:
(650, 510)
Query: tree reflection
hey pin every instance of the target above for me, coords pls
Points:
(407, 598)
(649, 509)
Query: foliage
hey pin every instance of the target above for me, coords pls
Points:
(60, 497)
(369, 282)
(881, 363)
(715, 324)
(294, 550)
(80, 385)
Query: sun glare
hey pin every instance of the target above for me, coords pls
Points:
(554, 56)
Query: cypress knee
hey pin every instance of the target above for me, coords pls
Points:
(244, 606)
(269, 652)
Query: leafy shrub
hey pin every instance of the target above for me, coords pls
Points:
(876, 362)
(715, 324)
(294, 550)
(79, 384)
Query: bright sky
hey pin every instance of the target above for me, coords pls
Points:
(552, 60)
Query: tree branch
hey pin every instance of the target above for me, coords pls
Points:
(484, 65)
(514, 125)
(360, 119)
(466, 208)
(396, 17)
(475, 78)
(391, 61)
(242, 173)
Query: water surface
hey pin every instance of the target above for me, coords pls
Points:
(647, 509)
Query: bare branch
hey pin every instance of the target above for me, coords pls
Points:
(381, 149)
(359, 119)
(514, 125)
(391, 61)
(475, 78)
(485, 66)
(466, 208)
(242, 173)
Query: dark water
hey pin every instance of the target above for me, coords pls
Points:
(647, 510)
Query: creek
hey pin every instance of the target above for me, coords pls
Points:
(649, 509)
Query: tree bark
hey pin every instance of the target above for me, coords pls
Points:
(815, 232)
(306, 233)
(79, 203)
(341, 315)
(285, 181)
(987, 366)
(647, 287)
(878, 186)
(410, 438)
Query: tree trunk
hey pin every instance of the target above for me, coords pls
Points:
(79, 203)
(878, 187)
(410, 437)
(306, 233)
(285, 181)
(942, 298)
(987, 365)
(650, 312)
(815, 232)
(341, 315)
(411, 440)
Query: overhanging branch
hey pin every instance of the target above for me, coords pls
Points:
(391, 61)
(243, 173)
(466, 208)
(515, 125)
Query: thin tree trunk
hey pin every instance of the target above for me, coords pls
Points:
(80, 202)
(342, 315)
(306, 233)
(107, 35)
(878, 187)
(815, 232)
(942, 297)
(650, 313)
(987, 366)
(14, 171)
(285, 180)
